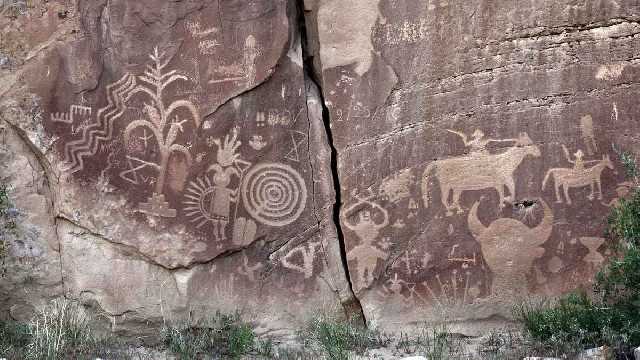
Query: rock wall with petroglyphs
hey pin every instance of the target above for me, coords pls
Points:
(185, 160)
(400, 159)
(475, 148)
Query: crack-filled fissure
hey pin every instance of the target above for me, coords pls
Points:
(353, 308)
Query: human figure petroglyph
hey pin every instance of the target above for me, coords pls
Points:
(478, 172)
(509, 248)
(223, 171)
(578, 176)
(579, 162)
(478, 143)
(366, 254)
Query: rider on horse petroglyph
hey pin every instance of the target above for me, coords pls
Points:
(578, 163)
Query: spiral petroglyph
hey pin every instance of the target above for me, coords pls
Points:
(274, 194)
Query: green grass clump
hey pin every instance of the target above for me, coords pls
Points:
(224, 335)
(59, 330)
(337, 339)
(436, 343)
(14, 338)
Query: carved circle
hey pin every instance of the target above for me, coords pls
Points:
(274, 194)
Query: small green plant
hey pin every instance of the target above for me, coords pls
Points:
(435, 343)
(14, 338)
(223, 334)
(337, 339)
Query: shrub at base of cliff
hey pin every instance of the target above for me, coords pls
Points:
(223, 334)
(612, 317)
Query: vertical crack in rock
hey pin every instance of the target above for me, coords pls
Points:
(352, 306)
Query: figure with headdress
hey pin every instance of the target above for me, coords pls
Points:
(366, 254)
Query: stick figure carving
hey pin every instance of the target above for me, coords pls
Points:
(366, 254)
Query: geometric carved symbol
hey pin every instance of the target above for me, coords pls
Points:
(131, 174)
(157, 206)
(68, 118)
(297, 138)
(274, 194)
(199, 204)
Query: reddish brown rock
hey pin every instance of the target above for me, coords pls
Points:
(474, 146)
(188, 159)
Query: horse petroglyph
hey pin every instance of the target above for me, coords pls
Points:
(578, 176)
(477, 172)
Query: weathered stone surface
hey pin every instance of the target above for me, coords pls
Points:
(170, 159)
(450, 121)
(189, 161)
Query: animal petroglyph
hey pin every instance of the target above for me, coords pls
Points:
(366, 254)
(397, 187)
(274, 194)
(509, 248)
(102, 130)
(578, 176)
(478, 172)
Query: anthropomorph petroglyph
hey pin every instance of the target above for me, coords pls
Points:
(478, 172)
(209, 199)
(509, 248)
(478, 143)
(578, 176)
(366, 254)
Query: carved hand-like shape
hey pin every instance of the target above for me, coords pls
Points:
(227, 151)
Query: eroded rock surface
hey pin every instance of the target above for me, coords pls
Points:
(188, 159)
(171, 159)
(474, 144)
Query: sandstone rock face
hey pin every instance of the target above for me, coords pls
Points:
(474, 144)
(187, 158)
(171, 159)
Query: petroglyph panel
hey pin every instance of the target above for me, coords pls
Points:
(482, 143)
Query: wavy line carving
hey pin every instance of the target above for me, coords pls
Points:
(102, 130)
